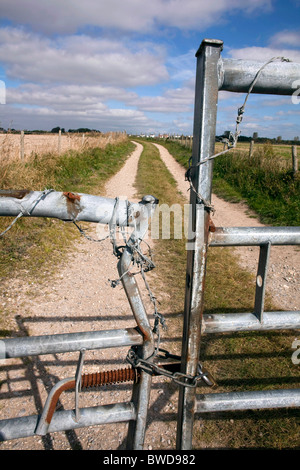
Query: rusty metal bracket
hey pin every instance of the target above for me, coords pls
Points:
(96, 379)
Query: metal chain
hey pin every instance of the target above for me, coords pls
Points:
(179, 378)
(87, 236)
(111, 234)
(232, 140)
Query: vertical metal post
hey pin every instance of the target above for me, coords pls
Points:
(141, 390)
(205, 114)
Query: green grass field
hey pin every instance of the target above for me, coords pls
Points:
(265, 181)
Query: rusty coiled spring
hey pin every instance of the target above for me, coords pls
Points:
(96, 379)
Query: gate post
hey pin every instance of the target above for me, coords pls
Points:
(205, 115)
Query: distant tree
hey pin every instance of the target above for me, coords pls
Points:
(56, 130)
(81, 130)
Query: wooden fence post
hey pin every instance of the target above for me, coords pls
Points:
(251, 148)
(22, 146)
(295, 159)
(59, 141)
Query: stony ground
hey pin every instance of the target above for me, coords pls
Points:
(80, 298)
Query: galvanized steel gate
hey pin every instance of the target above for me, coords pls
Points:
(83, 207)
(214, 74)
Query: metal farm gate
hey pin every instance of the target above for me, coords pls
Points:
(117, 213)
(213, 74)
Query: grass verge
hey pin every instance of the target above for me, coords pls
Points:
(264, 181)
(269, 188)
(240, 361)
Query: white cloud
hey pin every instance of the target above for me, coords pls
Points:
(80, 80)
(66, 95)
(94, 102)
(179, 100)
(87, 78)
(131, 15)
(102, 107)
(264, 53)
(282, 44)
(101, 118)
(287, 38)
(79, 59)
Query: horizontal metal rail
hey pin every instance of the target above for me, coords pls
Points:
(17, 428)
(234, 401)
(70, 206)
(68, 342)
(254, 236)
(278, 78)
(226, 322)
(264, 237)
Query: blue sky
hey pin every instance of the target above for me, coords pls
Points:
(130, 64)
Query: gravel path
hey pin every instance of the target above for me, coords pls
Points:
(79, 298)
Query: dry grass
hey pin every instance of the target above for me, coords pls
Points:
(10, 144)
